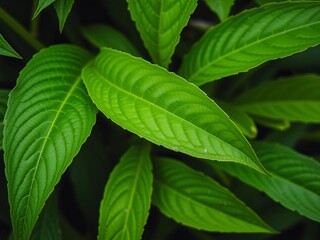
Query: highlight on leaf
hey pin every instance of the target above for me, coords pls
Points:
(164, 108)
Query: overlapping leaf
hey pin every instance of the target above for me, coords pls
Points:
(294, 98)
(49, 116)
(160, 24)
(195, 200)
(255, 36)
(104, 36)
(127, 197)
(164, 108)
(6, 49)
(63, 8)
(294, 180)
(42, 4)
(221, 7)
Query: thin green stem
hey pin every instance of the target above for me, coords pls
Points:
(20, 30)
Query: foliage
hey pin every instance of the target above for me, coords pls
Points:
(128, 119)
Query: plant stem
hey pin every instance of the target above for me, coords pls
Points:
(20, 30)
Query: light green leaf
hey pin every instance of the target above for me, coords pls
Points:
(42, 4)
(3, 108)
(6, 49)
(127, 197)
(295, 98)
(48, 225)
(104, 36)
(197, 201)
(63, 8)
(160, 24)
(294, 180)
(220, 7)
(49, 116)
(164, 108)
(251, 38)
(241, 119)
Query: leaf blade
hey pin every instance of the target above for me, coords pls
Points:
(42, 4)
(195, 200)
(164, 108)
(42, 123)
(236, 46)
(6, 49)
(127, 197)
(294, 180)
(160, 24)
(63, 8)
(220, 7)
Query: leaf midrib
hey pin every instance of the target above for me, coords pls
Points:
(208, 65)
(176, 116)
(63, 103)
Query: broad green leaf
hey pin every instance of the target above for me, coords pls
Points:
(104, 36)
(48, 225)
(127, 197)
(197, 201)
(220, 7)
(160, 24)
(251, 38)
(3, 108)
(295, 98)
(42, 4)
(294, 180)
(49, 116)
(164, 108)
(6, 49)
(63, 8)
(241, 119)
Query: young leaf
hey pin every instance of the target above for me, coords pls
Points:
(104, 36)
(164, 108)
(42, 4)
(160, 24)
(195, 200)
(251, 38)
(63, 8)
(127, 197)
(294, 180)
(6, 49)
(3, 108)
(295, 98)
(220, 7)
(49, 116)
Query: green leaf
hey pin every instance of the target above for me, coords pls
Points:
(6, 49)
(127, 197)
(220, 7)
(197, 201)
(241, 119)
(272, 123)
(63, 8)
(164, 108)
(160, 24)
(104, 36)
(49, 116)
(251, 38)
(42, 4)
(48, 225)
(4, 94)
(295, 99)
(294, 180)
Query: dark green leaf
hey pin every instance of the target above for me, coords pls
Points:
(164, 108)
(220, 7)
(49, 116)
(42, 4)
(6, 49)
(251, 38)
(3, 108)
(63, 8)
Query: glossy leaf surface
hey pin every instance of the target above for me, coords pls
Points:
(160, 24)
(220, 7)
(294, 98)
(164, 108)
(195, 200)
(251, 38)
(127, 197)
(63, 8)
(6, 49)
(49, 116)
(104, 36)
(294, 180)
